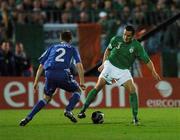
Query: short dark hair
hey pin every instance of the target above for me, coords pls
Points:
(130, 28)
(66, 36)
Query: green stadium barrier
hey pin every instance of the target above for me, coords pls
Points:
(32, 37)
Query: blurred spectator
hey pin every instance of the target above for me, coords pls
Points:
(50, 13)
(174, 7)
(84, 17)
(109, 28)
(38, 17)
(108, 7)
(7, 60)
(84, 11)
(36, 5)
(84, 6)
(20, 8)
(161, 10)
(59, 4)
(23, 64)
(28, 5)
(103, 21)
(153, 43)
(69, 8)
(120, 29)
(171, 37)
(12, 4)
(2, 33)
(14, 16)
(21, 18)
(125, 17)
(65, 18)
(5, 19)
(119, 4)
(138, 16)
(94, 11)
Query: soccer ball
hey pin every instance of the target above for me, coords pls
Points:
(97, 117)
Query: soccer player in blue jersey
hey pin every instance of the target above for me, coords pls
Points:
(56, 61)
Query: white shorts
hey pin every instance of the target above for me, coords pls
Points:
(110, 73)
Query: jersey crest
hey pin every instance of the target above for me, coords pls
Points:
(131, 50)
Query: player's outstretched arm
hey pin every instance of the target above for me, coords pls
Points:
(38, 74)
(80, 70)
(151, 67)
(106, 54)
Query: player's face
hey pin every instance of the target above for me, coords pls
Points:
(127, 36)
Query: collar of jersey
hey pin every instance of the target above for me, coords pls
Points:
(67, 44)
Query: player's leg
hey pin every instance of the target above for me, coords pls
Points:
(104, 77)
(49, 90)
(73, 100)
(91, 96)
(37, 107)
(133, 99)
(72, 86)
(72, 103)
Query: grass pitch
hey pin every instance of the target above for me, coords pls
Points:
(156, 124)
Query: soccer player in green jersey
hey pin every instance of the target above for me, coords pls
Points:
(118, 58)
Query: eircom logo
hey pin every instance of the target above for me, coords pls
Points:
(165, 89)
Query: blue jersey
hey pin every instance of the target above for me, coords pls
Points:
(59, 57)
(57, 60)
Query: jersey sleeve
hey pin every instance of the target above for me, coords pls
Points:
(142, 55)
(76, 56)
(113, 43)
(42, 59)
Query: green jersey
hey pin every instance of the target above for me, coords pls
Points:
(123, 54)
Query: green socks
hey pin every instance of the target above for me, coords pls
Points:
(92, 95)
(134, 103)
(90, 98)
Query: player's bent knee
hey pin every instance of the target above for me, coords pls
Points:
(47, 98)
(79, 91)
(132, 89)
(100, 85)
(98, 88)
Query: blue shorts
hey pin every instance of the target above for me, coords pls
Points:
(60, 79)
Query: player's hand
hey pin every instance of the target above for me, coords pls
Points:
(101, 68)
(35, 86)
(156, 76)
(83, 87)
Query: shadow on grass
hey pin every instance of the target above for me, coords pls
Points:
(34, 124)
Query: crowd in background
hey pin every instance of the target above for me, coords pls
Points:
(105, 12)
(112, 15)
(14, 62)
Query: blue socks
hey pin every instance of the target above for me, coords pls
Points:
(73, 101)
(37, 108)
